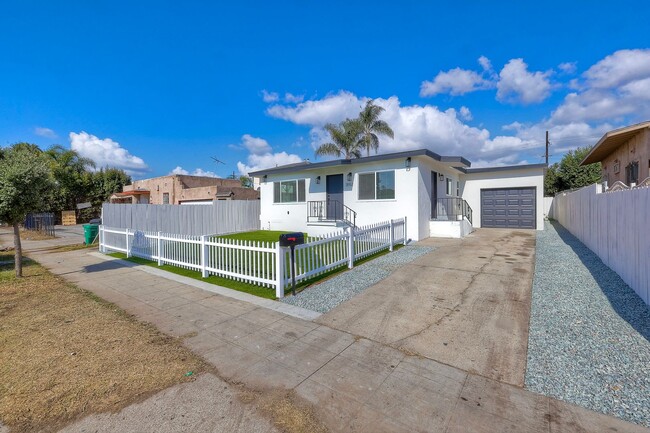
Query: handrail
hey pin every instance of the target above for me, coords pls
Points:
(331, 210)
(450, 208)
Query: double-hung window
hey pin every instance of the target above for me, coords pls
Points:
(449, 186)
(289, 191)
(378, 185)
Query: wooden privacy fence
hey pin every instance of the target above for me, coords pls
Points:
(261, 263)
(220, 217)
(614, 225)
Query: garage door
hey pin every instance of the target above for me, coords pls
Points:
(508, 208)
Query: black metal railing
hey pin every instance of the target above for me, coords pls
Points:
(40, 222)
(451, 209)
(330, 210)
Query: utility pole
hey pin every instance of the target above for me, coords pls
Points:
(546, 148)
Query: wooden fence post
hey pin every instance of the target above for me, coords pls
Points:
(159, 240)
(350, 231)
(279, 271)
(391, 235)
(128, 248)
(204, 256)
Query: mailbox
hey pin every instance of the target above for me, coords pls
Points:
(292, 239)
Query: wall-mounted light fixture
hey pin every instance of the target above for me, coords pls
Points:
(317, 180)
(349, 177)
(441, 177)
(264, 178)
(408, 163)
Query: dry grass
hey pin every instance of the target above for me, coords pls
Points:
(65, 353)
(33, 235)
(287, 412)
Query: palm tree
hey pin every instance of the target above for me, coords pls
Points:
(372, 126)
(345, 140)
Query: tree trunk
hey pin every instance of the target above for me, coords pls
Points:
(18, 251)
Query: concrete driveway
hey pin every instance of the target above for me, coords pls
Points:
(466, 304)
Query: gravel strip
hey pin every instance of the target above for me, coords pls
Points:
(330, 293)
(589, 341)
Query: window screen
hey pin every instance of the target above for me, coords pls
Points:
(166, 198)
(385, 185)
(301, 190)
(367, 186)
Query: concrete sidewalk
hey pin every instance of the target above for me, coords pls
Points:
(353, 383)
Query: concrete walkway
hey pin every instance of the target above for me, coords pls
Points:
(467, 304)
(354, 384)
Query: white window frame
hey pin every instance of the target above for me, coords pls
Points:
(297, 182)
(375, 185)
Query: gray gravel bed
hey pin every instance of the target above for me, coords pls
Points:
(330, 293)
(589, 341)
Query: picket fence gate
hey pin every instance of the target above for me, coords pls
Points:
(255, 262)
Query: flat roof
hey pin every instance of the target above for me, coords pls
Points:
(457, 162)
(611, 140)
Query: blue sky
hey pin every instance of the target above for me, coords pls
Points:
(162, 86)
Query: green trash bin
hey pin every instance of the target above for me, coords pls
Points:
(90, 233)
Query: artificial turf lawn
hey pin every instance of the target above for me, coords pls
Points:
(257, 235)
(262, 292)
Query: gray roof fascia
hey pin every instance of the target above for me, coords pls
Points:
(367, 159)
(502, 168)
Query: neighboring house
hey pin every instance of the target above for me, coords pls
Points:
(439, 195)
(183, 189)
(624, 154)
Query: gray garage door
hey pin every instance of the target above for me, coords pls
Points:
(508, 208)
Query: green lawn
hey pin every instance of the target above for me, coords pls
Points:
(257, 235)
(262, 292)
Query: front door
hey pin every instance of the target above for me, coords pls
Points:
(334, 185)
(434, 195)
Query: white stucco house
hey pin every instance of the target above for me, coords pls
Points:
(439, 195)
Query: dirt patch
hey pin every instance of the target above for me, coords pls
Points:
(64, 353)
(32, 235)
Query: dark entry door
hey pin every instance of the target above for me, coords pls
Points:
(434, 195)
(334, 197)
(509, 208)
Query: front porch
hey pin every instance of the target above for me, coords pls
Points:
(451, 217)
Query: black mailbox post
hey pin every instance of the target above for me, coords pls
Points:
(291, 240)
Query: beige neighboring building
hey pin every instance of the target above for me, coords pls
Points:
(183, 189)
(624, 154)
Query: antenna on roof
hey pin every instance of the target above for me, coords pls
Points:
(218, 161)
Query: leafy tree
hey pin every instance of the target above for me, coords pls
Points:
(372, 127)
(345, 140)
(25, 181)
(569, 174)
(72, 177)
(102, 184)
(246, 181)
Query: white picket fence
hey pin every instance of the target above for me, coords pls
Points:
(261, 263)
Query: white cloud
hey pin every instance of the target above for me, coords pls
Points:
(291, 98)
(179, 170)
(319, 112)
(619, 68)
(465, 114)
(485, 63)
(415, 126)
(196, 172)
(261, 155)
(255, 145)
(459, 81)
(45, 132)
(270, 96)
(516, 84)
(106, 153)
(615, 89)
(568, 67)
